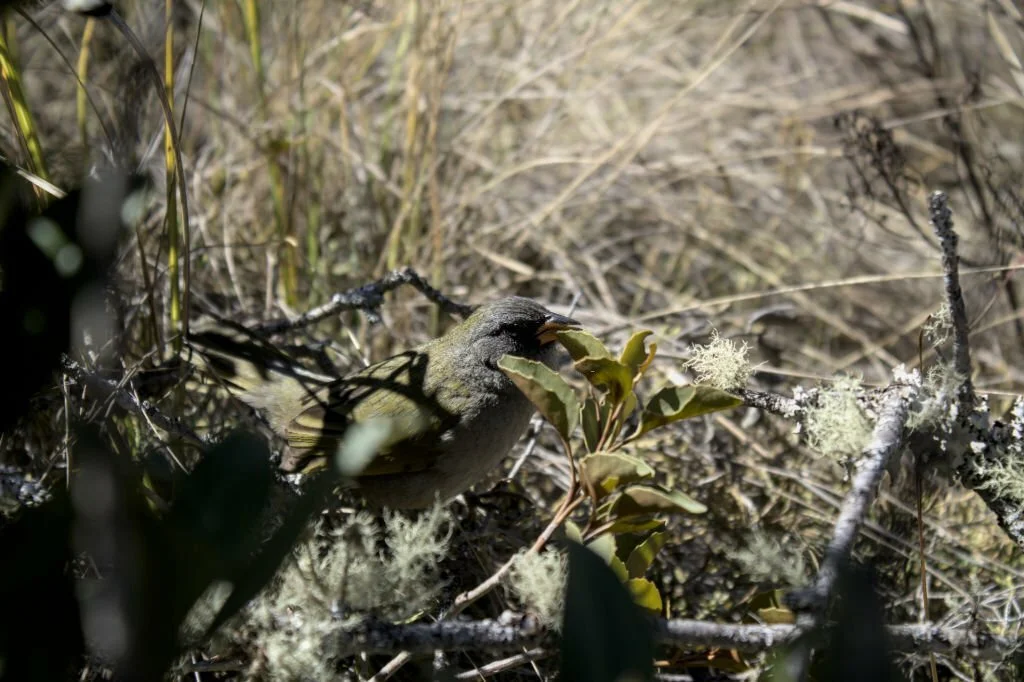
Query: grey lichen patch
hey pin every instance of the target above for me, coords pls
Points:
(323, 588)
(764, 559)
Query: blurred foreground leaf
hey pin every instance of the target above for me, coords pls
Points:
(40, 634)
(216, 518)
(605, 636)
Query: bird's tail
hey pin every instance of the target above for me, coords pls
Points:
(254, 371)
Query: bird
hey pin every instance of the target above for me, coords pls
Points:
(453, 414)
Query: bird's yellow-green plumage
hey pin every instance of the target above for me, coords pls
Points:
(453, 414)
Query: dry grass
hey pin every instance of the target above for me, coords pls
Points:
(676, 164)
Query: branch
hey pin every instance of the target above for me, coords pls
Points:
(1008, 511)
(982, 443)
(813, 602)
(509, 633)
(368, 297)
(886, 439)
(772, 402)
(514, 632)
(942, 222)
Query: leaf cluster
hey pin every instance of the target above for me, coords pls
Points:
(625, 524)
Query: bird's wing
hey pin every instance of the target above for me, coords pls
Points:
(395, 389)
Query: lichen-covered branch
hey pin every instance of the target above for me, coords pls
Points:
(1009, 512)
(509, 633)
(812, 603)
(942, 222)
(886, 439)
(774, 403)
(515, 632)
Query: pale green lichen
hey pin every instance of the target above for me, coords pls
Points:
(939, 327)
(322, 588)
(538, 582)
(721, 363)
(936, 404)
(764, 559)
(837, 426)
(1003, 474)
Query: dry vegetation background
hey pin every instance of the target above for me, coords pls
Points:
(760, 168)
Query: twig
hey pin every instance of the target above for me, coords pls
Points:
(462, 601)
(942, 222)
(127, 400)
(369, 297)
(495, 667)
(771, 402)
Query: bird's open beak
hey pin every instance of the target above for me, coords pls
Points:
(555, 323)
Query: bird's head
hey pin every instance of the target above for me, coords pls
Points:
(514, 326)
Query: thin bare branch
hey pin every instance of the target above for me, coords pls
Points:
(369, 298)
(129, 401)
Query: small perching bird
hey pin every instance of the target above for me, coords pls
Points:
(453, 414)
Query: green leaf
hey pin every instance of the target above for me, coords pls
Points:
(776, 615)
(640, 499)
(645, 594)
(605, 636)
(634, 525)
(642, 556)
(572, 531)
(593, 418)
(628, 407)
(546, 389)
(634, 354)
(674, 403)
(606, 471)
(604, 546)
(581, 344)
(618, 568)
(608, 374)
